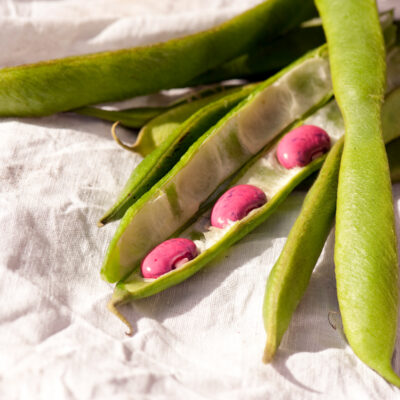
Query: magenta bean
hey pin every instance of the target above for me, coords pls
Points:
(302, 145)
(167, 256)
(235, 204)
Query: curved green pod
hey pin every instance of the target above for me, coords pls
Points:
(216, 156)
(159, 129)
(166, 155)
(365, 249)
(65, 84)
(291, 273)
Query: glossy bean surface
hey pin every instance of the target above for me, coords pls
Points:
(300, 146)
(167, 256)
(235, 204)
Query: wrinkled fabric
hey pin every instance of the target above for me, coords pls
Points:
(202, 339)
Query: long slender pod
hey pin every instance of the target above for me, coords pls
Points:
(291, 273)
(365, 250)
(64, 84)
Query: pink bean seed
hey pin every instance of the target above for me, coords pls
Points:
(168, 255)
(235, 204)
(302, 145)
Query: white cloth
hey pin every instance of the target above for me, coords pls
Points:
(202, 339)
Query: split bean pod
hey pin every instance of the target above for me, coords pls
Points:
(214, 158)
(261, 172)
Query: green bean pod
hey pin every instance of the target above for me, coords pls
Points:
(267, 59)
(159, 129)
(166, 155)
(291, 273)
(140, 116)
(365, 250)
(65, 84)
(216, 156)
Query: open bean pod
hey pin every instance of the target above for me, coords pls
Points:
(263, 172)
(216, 156)
(134, 286)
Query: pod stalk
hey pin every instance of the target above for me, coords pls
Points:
(118, 299)
(389, 374)
(117, 139)
(269, 352)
